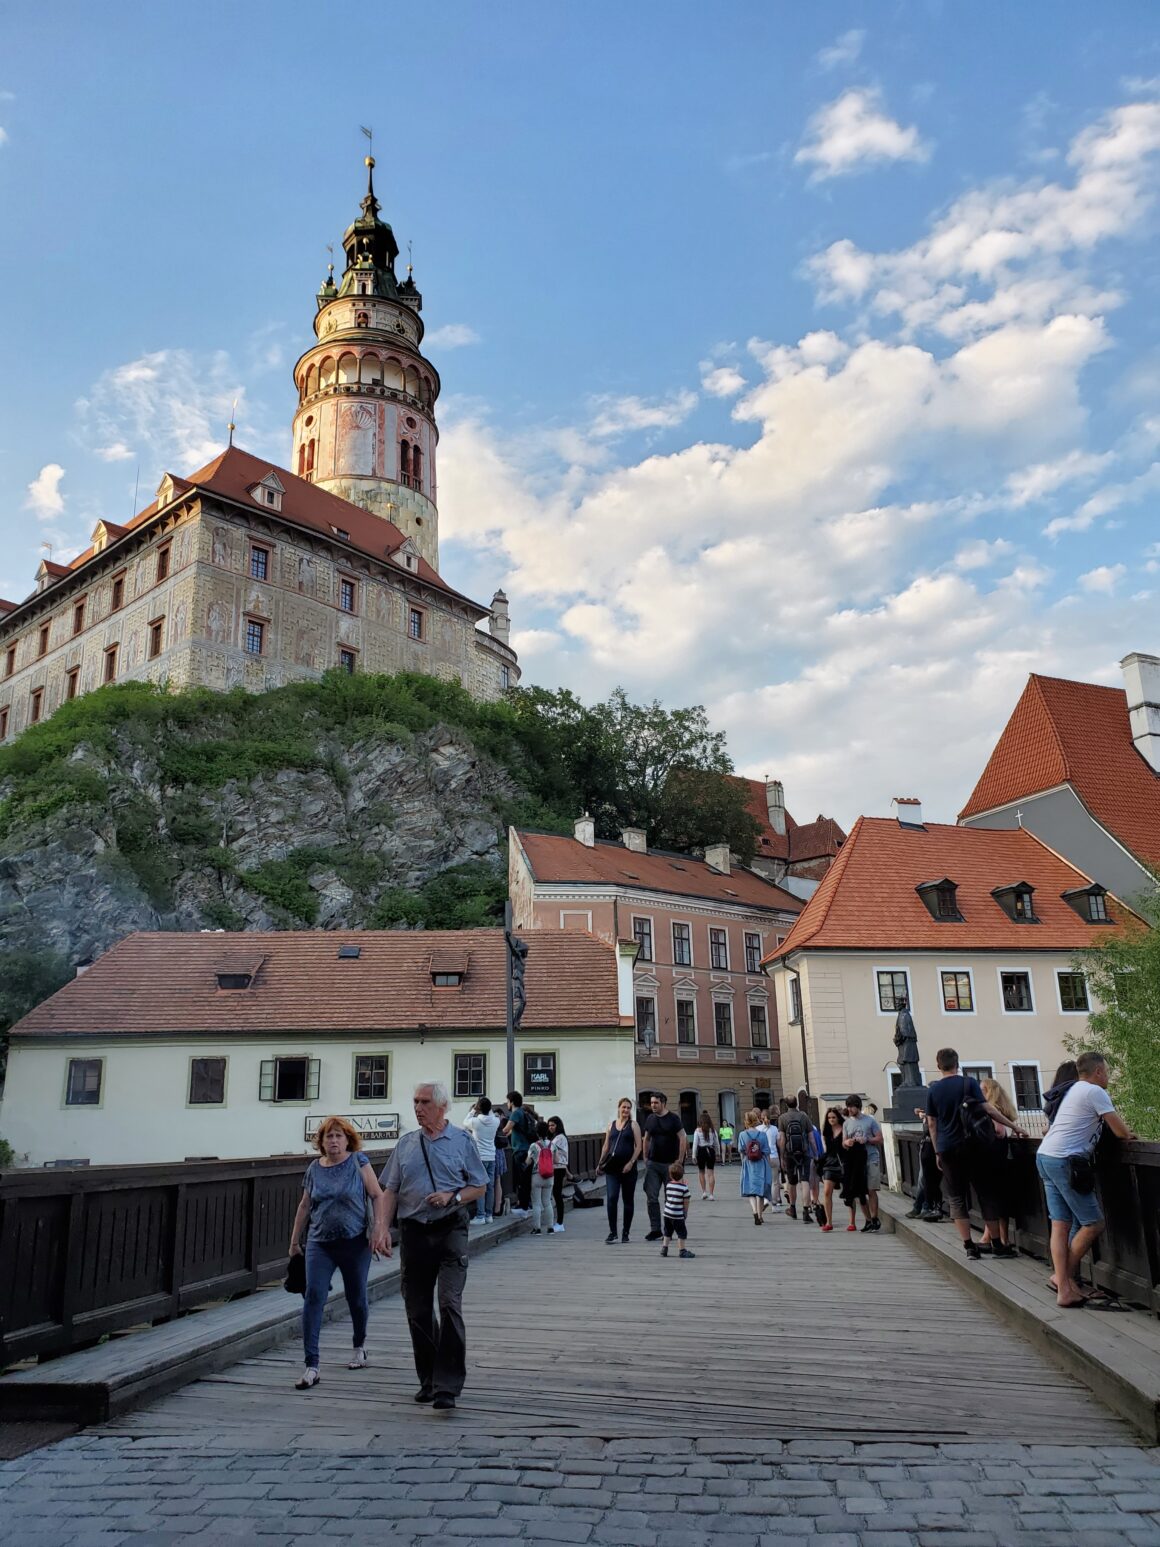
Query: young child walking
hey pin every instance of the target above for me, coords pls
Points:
(676, 1211)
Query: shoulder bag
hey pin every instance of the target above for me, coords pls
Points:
(457, 1213)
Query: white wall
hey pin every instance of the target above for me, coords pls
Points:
(144, 1115)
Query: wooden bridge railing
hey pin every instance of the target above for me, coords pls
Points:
(91, 1250)
(1126, 1258)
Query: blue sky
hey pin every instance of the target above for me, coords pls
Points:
(799, 361)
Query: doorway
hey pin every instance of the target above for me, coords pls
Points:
(727, 1108)
(690, 1109)
(762, 1100)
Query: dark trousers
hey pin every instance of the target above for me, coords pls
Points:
(523, 1180)
(656, 1174)
(435, 1261)
(931, 1189)
(352, 1258)
(558, 1193)
(617, 1187)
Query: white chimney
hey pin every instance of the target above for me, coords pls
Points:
(585, 831)
(717, 857)
(1142, 686)
(635, 838)
(775, 805)
(908, 810)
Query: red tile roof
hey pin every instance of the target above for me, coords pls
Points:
(554, 858)
(167, 983)
(234, 473)
(819, 839)
(867, 899)
(1075, 733)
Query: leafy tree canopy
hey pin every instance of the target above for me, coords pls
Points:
(26, 978)
(1123, 972)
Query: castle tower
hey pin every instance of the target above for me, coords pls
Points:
(365, 426)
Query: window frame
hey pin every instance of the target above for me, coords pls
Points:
(164, 562)
(978, 1069)
(1060, 974)
(752, 953)
(345, 583)
(36, 706)
(72, 684)
(109, 670)
(958, 972)
(413, 614)
(79, 609)
(5, 712)
(676, 924)
(1021, 972)
(527, 1087)
(763, 1009)
(650, 999)
(645, 920)
(211, 1058)
(117, 591)
(155, 637)
(794, 998)
(355, 1060)
(9, 660)
(266, 555)
(689, 1000)
(250, 621)
(43, 640)
(727, 1006)
(894, 972)
(86, 1105)
(469, 1095)
(347, 655)
(715, 966)
(1027, 1063)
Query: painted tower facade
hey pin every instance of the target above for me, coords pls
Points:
(365, 426)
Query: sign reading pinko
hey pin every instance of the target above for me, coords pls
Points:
(368, 1125)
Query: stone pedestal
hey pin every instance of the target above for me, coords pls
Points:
(907, 1098)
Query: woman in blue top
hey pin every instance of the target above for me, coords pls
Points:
(335, 1190)
(753, 1148)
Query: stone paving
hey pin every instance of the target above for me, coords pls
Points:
(98, 1491)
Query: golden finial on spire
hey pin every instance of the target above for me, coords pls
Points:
(233, 415)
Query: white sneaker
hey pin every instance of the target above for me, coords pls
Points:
(520, 1213)
(557, 1230)
(488, 1218)
(704, 1195)
(359, 1360)
(476, 1220)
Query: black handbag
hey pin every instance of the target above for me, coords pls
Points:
(295, 1281)
(1082, 1172)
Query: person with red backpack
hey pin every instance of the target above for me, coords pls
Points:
(543, 1169)
(753, 1147)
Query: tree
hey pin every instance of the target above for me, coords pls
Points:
(1123, 972)
(26, 979)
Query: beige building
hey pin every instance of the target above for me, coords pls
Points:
(174, 1046)
(706, 1024)
(247, 575)
(975, 929)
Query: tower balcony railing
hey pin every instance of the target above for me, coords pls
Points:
(362, 388)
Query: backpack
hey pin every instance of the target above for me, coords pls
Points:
(544, 1160)
(977, 1125)
(796, 1146)
(753, 1150)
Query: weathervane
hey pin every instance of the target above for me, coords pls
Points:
(233, 415)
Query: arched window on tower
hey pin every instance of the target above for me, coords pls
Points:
(326, 373)
(310, 458)
(412, 382)
(302, 460)
(372, 370)
(417, 467)
(405, 462)
(311, 381)
(392, 374)
(348, 370)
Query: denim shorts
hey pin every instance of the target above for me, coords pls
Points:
(1063, 1202)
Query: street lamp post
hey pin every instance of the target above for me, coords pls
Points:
(515, 955)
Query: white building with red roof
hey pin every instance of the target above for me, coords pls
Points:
(1079, 764)
(977, 929)
(246, 574)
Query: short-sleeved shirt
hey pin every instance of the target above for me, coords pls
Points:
(795, 1121)
(676, 1196)
(338, 1208)
(664, 1129)
(483, 1128)
(944, 1102)
(865, 1127)
(523, 1130)
(454, 1161)
(1077, 1123)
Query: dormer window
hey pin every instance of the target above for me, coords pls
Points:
(1017, 902)
(234, 980)
(446, 979)
(269, 492)
(448, 969)
(941, 899)
(166, 490)
(1090, 902)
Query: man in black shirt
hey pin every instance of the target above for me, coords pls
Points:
(960, 1158)
(664, 1142)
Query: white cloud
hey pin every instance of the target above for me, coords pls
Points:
(3, 137)
(117, 452)
(721, 380)
(615, 416)
(1104, 579)
(452, 335)
(981, 553)
(44, 496)
(1034, 483)
(844, 49)
(852, 134)
(1106, 500)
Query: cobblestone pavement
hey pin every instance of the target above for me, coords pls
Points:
(95, 1491)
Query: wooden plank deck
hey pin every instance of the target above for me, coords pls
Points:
(780, 1331)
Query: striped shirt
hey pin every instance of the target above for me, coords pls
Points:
(676, 1196)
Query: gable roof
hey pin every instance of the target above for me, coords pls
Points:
(233, 474)
(1075, 733)
(819, 839)
(166, 984)
(557, 859)
(867, 899)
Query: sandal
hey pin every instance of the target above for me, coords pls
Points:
(309, 1377)
(1104, 1300)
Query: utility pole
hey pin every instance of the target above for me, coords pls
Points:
(515, 954)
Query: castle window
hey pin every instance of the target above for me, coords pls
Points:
(310, 458)
(405, 462)
(118, 593)
(415, 623)
(346, 661)
(259, 563)
(78, 616)
(505, 677)
(416, 467)
(163, 557)
(347, 595)
(255, 636)
(111, 664)
(37, 708)
(42, 641)
(156, 632)
(3, 722)
(302, 460)
(10, 660)
(72, 683)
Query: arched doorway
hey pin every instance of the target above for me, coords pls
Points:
(690, 1109)
(727, 1108)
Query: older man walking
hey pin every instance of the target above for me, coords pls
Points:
(431, 1177)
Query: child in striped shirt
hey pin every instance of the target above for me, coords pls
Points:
(677, 1196)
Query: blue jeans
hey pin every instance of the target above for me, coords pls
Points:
(484, 1204)
(1063, 1202)
(352, 1257)
(620, 1187)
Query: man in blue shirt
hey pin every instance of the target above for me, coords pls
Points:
(433, 1173)
(959, 1158)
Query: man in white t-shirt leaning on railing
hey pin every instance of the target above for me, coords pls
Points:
(1066, 1168)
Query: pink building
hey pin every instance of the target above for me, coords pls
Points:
(706, 1022)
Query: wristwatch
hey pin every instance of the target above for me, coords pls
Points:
(459, 1197)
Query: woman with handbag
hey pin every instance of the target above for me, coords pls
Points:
(706, 1150)
(339, 1192)
(617, 1165)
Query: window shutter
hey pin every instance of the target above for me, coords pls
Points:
(266, 1081)
(312, 1077)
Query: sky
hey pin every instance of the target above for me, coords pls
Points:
(802, 362)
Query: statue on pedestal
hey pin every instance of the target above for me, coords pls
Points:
(906, 1041)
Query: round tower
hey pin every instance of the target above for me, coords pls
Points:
(365, 426)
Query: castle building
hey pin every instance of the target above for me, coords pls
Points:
(245, 574)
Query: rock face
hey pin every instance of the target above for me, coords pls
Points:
(293, 848)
